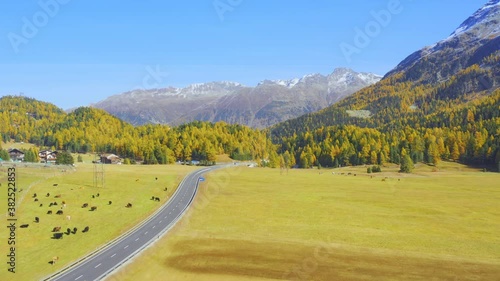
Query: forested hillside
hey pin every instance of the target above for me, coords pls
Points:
(94, 130)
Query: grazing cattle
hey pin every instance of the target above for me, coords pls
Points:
(93, 196)
(56, 229)
(41, 205)
(354, 174)
(50, 204)
(55, 184)
(349, 174)
(399, 179)
(48, 194)
(36, 199)
(86, 229)
(37, 219)
(85, 205)
(156, 178)
(58, 235)
(57, 196)
(54, 204)
(93, 208)
(64, 202)
(165, 189)
(60, 212)
(129, 205)
(109, 203)
(34, 195)
(97, 195)
(75, 230)
(383, 179)
(68, 217)
(24, 225)
(49, 212)
(152, 198)
(68, 231)
(157, 199)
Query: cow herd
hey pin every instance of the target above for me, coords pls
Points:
(57, 231)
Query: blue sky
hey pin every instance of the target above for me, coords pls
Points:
(77, 52)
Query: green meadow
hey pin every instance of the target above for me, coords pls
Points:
(264, 224)
(75, 186)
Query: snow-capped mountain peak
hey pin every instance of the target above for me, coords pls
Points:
(480, 19)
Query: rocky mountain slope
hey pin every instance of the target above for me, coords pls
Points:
(270, 102)
(456, 73)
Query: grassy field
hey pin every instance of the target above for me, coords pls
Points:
(123, 184)
(259, 224)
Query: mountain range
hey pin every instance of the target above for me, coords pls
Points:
(456, 72)
(268, 103)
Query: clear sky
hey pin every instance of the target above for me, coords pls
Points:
(77, 52)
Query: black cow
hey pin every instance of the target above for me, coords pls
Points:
(97, 195)
(93, 208)
(41, 205)
(68, 231)
(58, 235)
(157, 199)
(109, 203)
(48, 194)
(85, 205)
(49, 212)
(75, 230)
(86, 229)
(60, 212)
(24, 225)
(55, 184)
(34, 195)
(36, 199)
(129, 205)
(37, 219)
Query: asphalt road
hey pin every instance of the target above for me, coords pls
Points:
(98, 265)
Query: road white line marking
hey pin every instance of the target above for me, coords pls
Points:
(113, 255)
(154, 226)
(165, 217)
(160, 222)
(79, 277)
(97, 265)
(126, 247)
(137, 239)
(145, 233)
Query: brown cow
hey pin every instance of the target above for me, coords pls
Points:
(56, 229)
